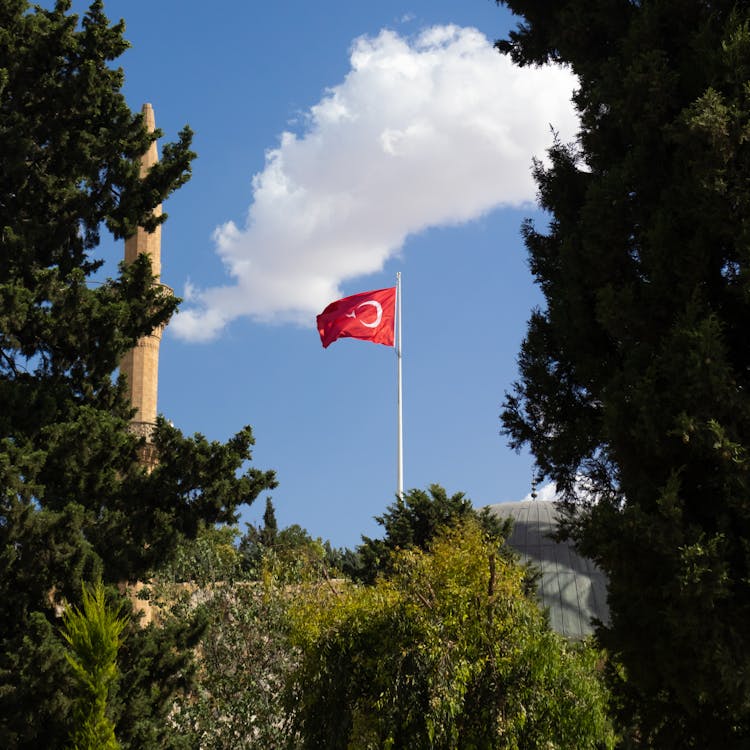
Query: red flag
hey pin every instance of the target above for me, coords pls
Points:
(369, 316)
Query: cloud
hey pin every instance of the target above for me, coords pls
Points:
(547, 493)
(428, 131)
(584, 488)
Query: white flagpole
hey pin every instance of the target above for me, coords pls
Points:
(400, 439)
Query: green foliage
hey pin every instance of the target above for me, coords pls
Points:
(210, 557)
(244, 653)
(245, 659)
(158, 667)
(74, 503)
(412, 521)
(289, 555)
(93, 635)
(446, 651)
(636, 373)
(270, 526)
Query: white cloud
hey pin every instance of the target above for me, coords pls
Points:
(584, 489)
(427, 131)
(546, 493)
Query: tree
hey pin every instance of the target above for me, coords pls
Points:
(245, 656)
(287, 556)
(94, 635)
(412, 521)
(446, 651)
(74, 502)
(270, 526)
(634, 377)
(245, 661)
(258, 539)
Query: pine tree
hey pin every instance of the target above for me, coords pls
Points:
(74, 503)
(635, 375)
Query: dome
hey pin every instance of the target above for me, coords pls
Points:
(571, 587)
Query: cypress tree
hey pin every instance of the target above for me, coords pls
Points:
(634, 376)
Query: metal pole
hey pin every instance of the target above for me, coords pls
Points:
(400, 439)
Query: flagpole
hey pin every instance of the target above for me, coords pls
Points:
(400, 438)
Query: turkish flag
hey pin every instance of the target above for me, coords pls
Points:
(369, 316)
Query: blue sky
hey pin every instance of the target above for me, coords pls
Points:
(339, 143)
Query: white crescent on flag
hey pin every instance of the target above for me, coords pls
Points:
(379, 317)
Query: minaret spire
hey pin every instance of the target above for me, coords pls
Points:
(141, 365)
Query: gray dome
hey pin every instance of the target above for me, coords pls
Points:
(572, 587)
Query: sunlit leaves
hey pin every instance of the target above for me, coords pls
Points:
(446, 651)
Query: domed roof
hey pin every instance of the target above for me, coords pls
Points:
(572, 587)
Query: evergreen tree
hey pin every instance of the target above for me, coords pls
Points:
(94, 635)
(74, 503)
(413, 521)
(270, 526)
(258, 540)
(635, 375)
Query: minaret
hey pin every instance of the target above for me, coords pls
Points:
(141, 364)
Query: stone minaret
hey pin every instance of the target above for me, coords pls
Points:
(141, 364)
